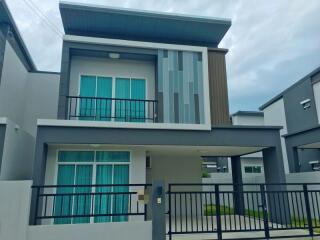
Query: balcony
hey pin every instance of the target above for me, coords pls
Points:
(111, 109)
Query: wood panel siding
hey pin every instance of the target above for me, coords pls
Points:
(219, 103)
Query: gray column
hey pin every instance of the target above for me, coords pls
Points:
(237, 185)
(158, 211)
(278, 202)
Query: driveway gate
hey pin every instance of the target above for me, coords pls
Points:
(266, 210)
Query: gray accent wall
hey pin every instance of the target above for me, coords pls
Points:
(180, 86)
(297, 117)
(2, 139)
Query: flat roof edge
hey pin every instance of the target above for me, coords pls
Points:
(147, 13)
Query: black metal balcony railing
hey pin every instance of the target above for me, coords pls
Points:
(67, 204)
(111, 109)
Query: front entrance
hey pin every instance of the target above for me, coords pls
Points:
(259, 211)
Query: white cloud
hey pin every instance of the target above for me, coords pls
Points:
(271, 43)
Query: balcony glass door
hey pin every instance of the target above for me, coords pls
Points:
(96, 93)
(128, 92)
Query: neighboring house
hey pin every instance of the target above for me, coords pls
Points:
(251, 163)
(297, 109)
(25, 95)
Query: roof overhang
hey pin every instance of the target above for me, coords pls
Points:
(128, 24)
(6, 18)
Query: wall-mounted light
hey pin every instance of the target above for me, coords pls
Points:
(114, 55)
(306, 103)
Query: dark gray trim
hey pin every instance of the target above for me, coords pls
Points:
(3, 39)
(3, 128)
(122, 23)
(46, 72)
(238, 187)
(218, 136)
(70, 49)
(176, 107)
(158, 210)
(248, 113)
(280, 95)
(293, 141)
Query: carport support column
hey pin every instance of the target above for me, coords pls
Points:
(275, 174)
(158, 210)
(237, 185)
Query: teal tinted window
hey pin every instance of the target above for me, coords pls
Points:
(76, 156)
(112, 156)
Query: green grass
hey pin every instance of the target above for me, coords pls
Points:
(211, 210)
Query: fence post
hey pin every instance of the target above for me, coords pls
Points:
(265, 212)
(36, 207)
(158, 211)
(308, 209)
(218, 213)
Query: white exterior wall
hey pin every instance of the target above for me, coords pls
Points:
(42, 93)
(251, 121)
(111, 68)
(15, 199)
(12, 87)
(316, 92)
(248, 120)
(275, 115)
(18, 152)
(98, 231)
(14, 221)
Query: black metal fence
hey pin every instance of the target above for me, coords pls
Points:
(264, 209)
(107, 109)
(66, 204)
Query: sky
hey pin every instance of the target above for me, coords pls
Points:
(272, 44)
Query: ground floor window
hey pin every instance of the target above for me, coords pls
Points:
(91, 168)
(253, 169)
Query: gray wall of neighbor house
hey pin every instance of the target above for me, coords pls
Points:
(12, 87)
(297, 117)
(18, 154)
(301, 120)
(26, 96)
(41, 101)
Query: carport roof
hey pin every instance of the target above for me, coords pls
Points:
(129, 24)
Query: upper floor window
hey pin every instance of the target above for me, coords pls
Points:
(112, 99)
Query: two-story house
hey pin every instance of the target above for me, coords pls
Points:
(142, 101)
(142, 97)
(297, 109)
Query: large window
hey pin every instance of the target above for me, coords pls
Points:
(96, 101)
(90, 168)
